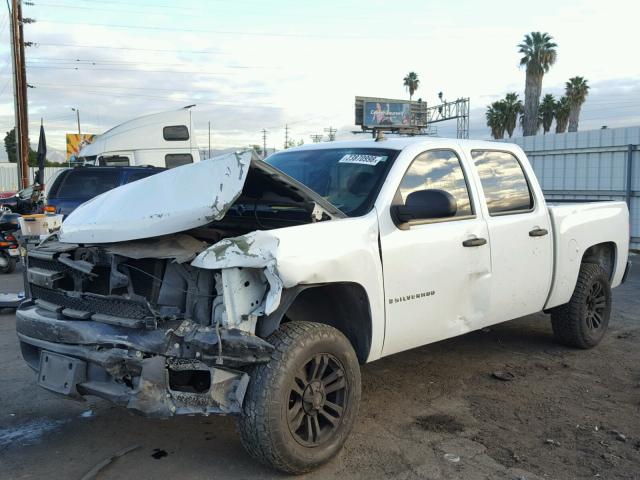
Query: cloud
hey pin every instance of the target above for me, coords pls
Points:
(299, 64)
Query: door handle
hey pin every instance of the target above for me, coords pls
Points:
(474, 242)
(538, 232)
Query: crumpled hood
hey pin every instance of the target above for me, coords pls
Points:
(174, 201)
(168, 202)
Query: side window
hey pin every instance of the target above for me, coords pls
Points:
(175, 133)
(176, 159)
(505, 185)
(440, 170)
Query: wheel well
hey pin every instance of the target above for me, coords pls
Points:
(344, 306)
(603, 254)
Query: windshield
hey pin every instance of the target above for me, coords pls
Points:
(349, 178)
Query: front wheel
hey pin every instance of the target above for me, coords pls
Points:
(583, 321)
(300, 407)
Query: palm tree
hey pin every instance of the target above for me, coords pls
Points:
(411, 82)
(496, 119)
(546, 111)
(576, 91)
(512, 107)
(561, 112)
(538, 55)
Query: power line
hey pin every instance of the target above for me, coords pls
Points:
(79, 61)
(129, 88)
(111, 47)
(122, 10)
(227, 32)
(141, 4)
(105, 69)
(167, 98)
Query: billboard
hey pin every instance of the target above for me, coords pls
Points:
(378, 113)
(75, 142)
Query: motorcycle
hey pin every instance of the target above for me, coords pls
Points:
(9, 247)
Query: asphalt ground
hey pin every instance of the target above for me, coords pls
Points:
(436, 412)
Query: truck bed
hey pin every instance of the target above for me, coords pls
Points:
(578, 225)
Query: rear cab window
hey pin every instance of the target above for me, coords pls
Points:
(84, 183)
(505, 185)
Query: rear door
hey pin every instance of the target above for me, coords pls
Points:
(519, 232)
(436, 271)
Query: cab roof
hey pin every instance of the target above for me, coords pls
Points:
(400, 143)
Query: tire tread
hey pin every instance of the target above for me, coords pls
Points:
(566, 319)
(255, 423)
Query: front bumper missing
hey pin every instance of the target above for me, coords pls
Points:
(183, 368)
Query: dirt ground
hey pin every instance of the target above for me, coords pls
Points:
(435, 412)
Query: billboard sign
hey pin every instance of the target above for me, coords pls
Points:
(377, 113)
(75, 142)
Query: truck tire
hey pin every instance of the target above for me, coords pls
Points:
(583, 321)
(300, 407)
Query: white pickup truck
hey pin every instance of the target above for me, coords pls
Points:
(237, 286)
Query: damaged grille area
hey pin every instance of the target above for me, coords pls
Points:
(51, 265)
(83, 282)
(118, 307)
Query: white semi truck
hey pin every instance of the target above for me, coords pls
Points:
(163, 139)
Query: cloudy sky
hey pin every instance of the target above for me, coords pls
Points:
(251, 64)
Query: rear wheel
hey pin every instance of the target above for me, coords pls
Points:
(584, 320)
(300, 407)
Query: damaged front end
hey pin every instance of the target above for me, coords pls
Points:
(163, 325)
(148, 334)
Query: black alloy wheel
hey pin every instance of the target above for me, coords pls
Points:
(317, 400)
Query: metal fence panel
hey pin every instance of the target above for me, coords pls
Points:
(591, 165)
(9, 176)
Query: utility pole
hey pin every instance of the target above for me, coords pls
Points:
(264, 143)
(209, 139)
(77, 110)
(316, 137)
(20, 93)
(331, 133)
(286, 136)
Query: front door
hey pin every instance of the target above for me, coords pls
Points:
(437, 272)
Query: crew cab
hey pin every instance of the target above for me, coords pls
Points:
(254, 288)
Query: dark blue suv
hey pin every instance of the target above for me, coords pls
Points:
(74, 186)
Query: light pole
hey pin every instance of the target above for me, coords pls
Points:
(77, 110)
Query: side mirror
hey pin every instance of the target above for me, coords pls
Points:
(424, 205)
